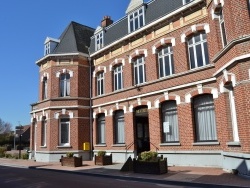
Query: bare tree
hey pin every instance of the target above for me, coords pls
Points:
(5, 127)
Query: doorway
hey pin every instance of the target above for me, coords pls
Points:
(142, 139)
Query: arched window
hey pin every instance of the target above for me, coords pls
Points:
(204, 116)
(165, 61)
(119, 127)
(118, 77)
(43, 131)
(170, 121)
(101, 129)
(45, 88)
(198, 50)
(64, 84)
(64, 128)
(139, 70)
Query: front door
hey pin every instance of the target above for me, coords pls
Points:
(142, 130)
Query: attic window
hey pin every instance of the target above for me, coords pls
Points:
(99, 40)
(186, 1)
(47, 49)
(136, 19)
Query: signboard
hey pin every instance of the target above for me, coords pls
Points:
(141, 111)
(166, 127)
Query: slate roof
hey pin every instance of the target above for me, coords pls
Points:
(75, 38)
(154, 10)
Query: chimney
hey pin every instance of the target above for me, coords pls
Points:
(106, 21)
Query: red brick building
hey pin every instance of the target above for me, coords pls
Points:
(170, 76)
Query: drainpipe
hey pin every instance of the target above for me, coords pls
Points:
(90, 109)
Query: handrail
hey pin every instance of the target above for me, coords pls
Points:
(127, 147)
(156, 148)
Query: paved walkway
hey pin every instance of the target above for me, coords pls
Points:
(191, 175)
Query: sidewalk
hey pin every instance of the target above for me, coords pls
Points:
(191, 175)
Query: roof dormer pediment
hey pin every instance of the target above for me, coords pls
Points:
(134, 4)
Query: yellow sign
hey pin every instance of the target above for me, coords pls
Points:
(86, 146)
(141, 111)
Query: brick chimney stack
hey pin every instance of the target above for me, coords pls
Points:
(106, 21)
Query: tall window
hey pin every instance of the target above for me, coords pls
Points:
(100, 83)
(101, 130)
(118, 80)
(64, 131)
(204, 116)
(99, 41)
(44, 128)
(64, 85)
(198, 50)
(47, 48)
(222, 29)
(186, 1)
(136, 19)
(166, 61)
(45, 88)
(119, 127)
(139, 70)
(170, 122)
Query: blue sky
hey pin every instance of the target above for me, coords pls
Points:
(24, 25)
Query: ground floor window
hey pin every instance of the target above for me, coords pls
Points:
(119, 127)
(170, 122)
(101, 139)
(204, 116)
(64, 131)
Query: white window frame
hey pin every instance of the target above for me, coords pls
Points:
(139, 64)
(222, 28)
(162, 58)
(45, 88)
(170, 128)
(204, 51)
(136, 16)
(100, 83)
(186, 1)
(99, 40)
(101, 126)
(60, 131)
(47, 48)
(64, 85)
(205, 127)
(118, 77)
(44, 132)
(119, 117)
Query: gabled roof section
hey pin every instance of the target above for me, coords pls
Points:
(49, 39)
(75, 38)
(133, 5)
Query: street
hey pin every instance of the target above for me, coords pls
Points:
(31, 178)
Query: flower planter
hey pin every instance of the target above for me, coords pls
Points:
(71, 161)
(146, 167)
(103, 160)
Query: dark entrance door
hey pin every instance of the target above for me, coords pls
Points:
(142, 130)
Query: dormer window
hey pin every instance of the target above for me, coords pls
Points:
(136, 19)
(99, 40)
(49, 45)
(186, 1)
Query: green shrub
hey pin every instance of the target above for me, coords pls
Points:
(148, 156)
(2, 151)
(8, 155)
(25, 156)
(69, 154)
(101, 153)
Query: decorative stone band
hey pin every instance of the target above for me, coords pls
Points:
(99, 69)
(116, 62)
(138, 52)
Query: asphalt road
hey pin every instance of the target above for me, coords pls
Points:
(30, 178)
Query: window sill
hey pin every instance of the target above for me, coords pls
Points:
(43, 146)
(64, 146)
(118, 145)
(100, 145)
(205, 143)
(237, 144)
(170, 144)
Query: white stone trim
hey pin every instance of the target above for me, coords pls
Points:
(162, 41)
(99, 68)
(115, 62)
(193, 28)
(137, 52)
(58, 73)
